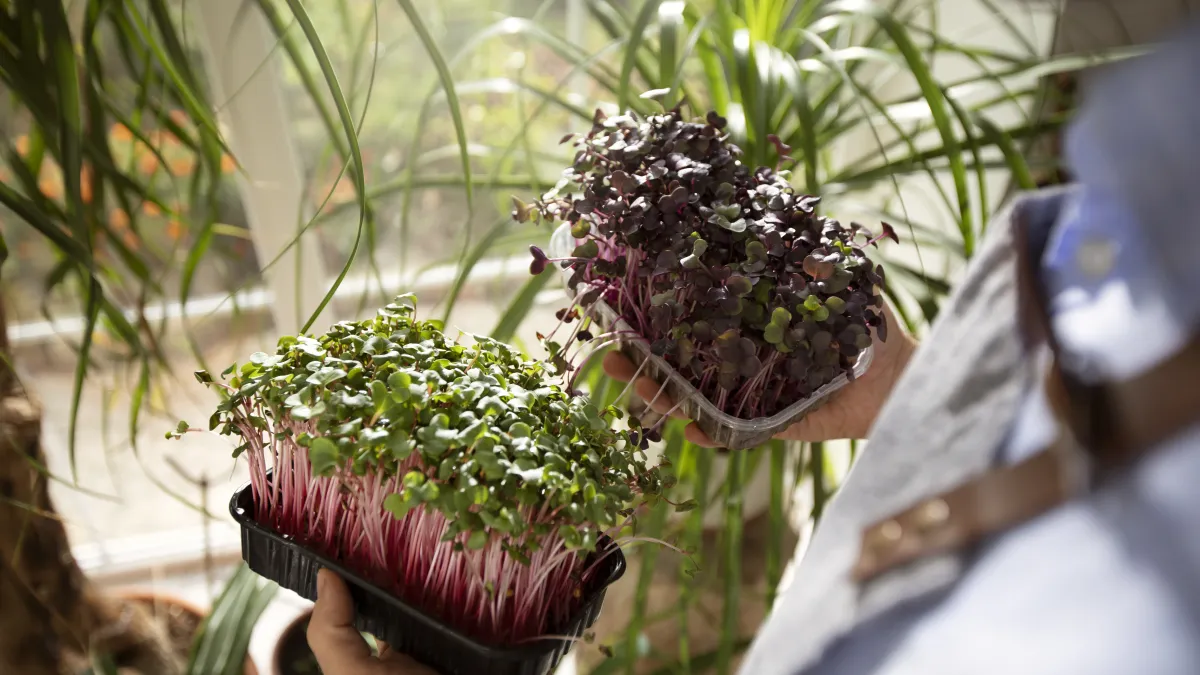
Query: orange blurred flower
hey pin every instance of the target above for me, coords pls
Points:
(22, 144)
(341, 193)
(50, 187)
(175, 229)
(183, 166)
(162, 139)
(147, 164)
(120, 132)
(118, 219)
(131, 240)
(179, 117)
(85, 184)
(227, 164)
(151, 209)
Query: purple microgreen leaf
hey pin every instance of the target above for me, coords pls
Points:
(818, 267)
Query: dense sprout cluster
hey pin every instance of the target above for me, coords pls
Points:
(729, 274)
(389, 441)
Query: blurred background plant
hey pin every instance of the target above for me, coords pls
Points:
(183, 181)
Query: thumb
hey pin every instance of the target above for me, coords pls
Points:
(337, 644)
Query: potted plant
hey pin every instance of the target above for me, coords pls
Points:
(292, 654)
(179, 621)
(471, 504)
(718, 280)
(157, 633)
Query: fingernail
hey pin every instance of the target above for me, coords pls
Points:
(320, 582)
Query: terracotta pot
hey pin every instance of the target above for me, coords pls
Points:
(179, 614)
(292, 655)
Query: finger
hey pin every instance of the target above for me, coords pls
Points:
(618, 366)
(656, 397)
(826, 425)
(694, 435)
(337, 644)
(801, 431)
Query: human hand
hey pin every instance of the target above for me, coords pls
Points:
(337, 644)
(849, 413)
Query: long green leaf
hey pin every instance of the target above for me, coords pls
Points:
(936, 98)
(1015, 160)
(503, 85)
(708, 51)
(692, 539)
(701, 663)
(223, 640)
(973, 146)
(349, 128)
(873, 174)
(820, 489)
(807, 131)
(647, 559)
(777, 520)
(634, 38)
(61, 51)
(471, 258)
(731, 558)
(670, 22)
(447, 80)
(335, 129)
(519, 308)
(176, 66)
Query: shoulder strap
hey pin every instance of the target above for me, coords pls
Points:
(1103, 427)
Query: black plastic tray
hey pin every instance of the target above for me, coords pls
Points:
(404, 627)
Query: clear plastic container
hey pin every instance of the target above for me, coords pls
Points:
(734, 433)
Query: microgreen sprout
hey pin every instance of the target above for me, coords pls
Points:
(727, 273)
(455, 475)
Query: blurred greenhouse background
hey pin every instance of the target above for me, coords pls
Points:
(183, 182)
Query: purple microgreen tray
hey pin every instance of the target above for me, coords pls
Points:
(727, 431)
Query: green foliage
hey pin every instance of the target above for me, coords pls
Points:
(492, 436)
(121, 175)
(221, 644)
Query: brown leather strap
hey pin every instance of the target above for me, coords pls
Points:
(1123, 421)
(1103, 427)
(1115, 422)
(953, 520)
